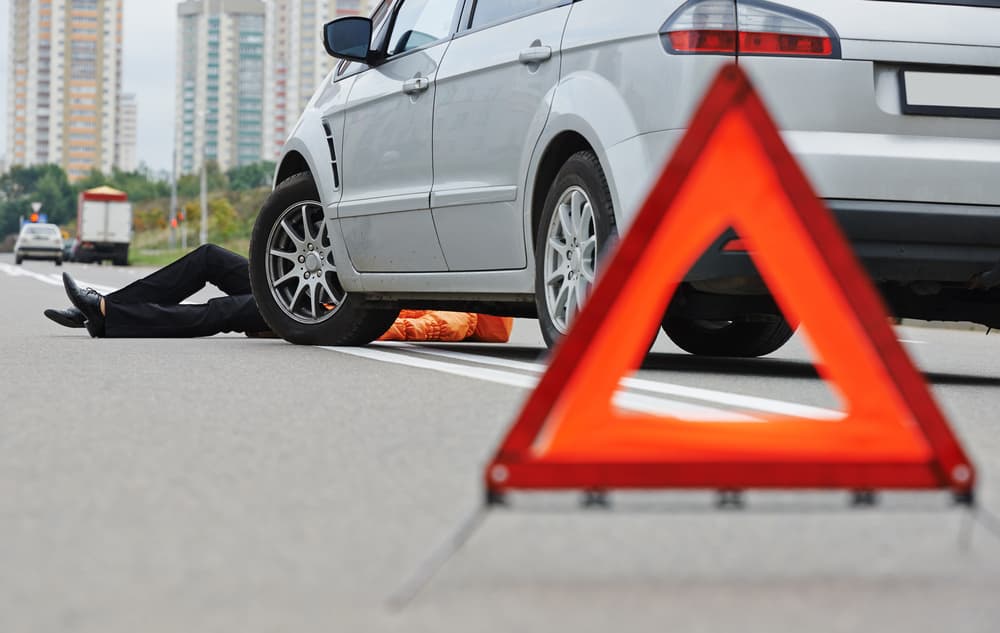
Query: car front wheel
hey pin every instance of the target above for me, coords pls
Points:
(294, 275)
(577, 224)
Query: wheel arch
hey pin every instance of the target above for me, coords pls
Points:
(556, 153)
(308, 150)
(291, 163)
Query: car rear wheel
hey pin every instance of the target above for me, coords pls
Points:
(294, 275)
(743, 339)
(576, 226)
(18, 260)
(59, 262)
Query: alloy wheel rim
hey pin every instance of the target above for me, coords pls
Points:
(570, 257)
(301, 272)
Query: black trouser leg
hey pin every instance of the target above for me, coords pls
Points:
(152, 320)
(189, 274)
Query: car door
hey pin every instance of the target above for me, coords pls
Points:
(387, 171)
(490, 107)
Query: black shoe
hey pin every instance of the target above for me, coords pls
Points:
(88, 302)
(70, 317)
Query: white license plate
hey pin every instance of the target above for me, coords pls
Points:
(959, 94)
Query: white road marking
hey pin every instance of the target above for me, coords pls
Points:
(55, 279)
(625, 400)
(913, 341)
(766, 405)
(86, 284)
(52, 279)
(20, 271)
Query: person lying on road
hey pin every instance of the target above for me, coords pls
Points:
(152, 307)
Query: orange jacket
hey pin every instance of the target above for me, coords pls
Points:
(436, 325)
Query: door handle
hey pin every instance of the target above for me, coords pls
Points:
(535, 54)
(416, 85)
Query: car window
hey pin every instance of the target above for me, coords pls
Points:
(41, 230)
(490, 11)
(421, 22)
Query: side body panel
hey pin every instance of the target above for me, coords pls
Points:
(384, 211)
(93, 216)
(489, 111)
(119, 223)
(619, 84)
(105, 222)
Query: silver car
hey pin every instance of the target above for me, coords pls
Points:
(480, 155)
(39, 241)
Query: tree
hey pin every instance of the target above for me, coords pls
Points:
(189, 185)
(56, 195)
(251, 176)
(224, 222)
(94, 178)
(47, 184)
(139, 185)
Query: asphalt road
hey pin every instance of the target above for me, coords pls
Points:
(229, 484)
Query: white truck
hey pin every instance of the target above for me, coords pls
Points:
(103, 226)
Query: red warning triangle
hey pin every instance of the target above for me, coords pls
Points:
(732, 170)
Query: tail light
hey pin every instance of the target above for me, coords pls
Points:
(747, 27)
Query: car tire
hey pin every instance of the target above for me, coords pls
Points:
(563, 274)
(298, 293)
(18, 260)
(59, 262)
(740, 339)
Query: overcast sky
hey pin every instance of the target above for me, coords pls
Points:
(148, 68)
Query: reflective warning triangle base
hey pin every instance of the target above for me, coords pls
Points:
(732, 170)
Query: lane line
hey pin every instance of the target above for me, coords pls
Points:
(86, 284)
(625, 400)
(19, 271)
(52, 279)
(767, 405)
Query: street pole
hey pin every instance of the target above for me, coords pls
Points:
(172, 219)
(203, 233)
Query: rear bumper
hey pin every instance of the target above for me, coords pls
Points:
(900, 242)
(96, 250)
(39, 253)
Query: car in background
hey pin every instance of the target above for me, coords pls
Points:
(39, 241)
(68, 248)
(103, 226)
(480, 155)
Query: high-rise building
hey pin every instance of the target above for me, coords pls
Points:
(220, 83)
(295, 60)
(64, 79)
(128, 115)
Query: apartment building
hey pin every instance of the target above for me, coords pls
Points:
(63, 83)
(128, 115)
(295, 60)
(220, 83)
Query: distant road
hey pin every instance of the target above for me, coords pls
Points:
(230, 484)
